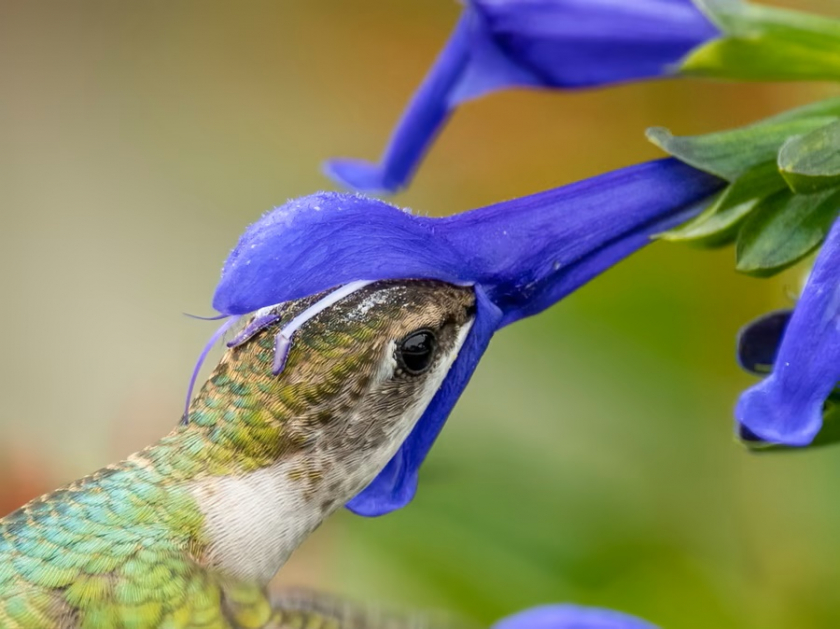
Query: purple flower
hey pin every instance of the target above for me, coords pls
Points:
(521, 256)
(571, 617)
(787, 406)
(499, 44)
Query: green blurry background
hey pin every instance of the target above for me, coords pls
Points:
(590, 460)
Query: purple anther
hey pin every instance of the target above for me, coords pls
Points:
(283, 340)
(263, 318)
(217, 317)
(282, 344)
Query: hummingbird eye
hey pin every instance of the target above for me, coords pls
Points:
(416, 351)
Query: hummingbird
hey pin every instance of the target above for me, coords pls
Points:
(309, 402)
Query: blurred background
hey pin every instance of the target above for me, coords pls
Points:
(590, 460)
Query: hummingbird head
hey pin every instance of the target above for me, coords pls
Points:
(346, 392)
(281, 449)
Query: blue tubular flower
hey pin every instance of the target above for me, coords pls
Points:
(787, 406)
(499, 44)
(571, 617)
(521, 256)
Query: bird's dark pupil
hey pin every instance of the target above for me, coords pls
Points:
(416, 351)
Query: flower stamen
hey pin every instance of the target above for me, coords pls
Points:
(283, 340)
(227, 325)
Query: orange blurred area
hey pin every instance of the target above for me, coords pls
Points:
(24, 476)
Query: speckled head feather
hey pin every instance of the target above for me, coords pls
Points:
(342, 379)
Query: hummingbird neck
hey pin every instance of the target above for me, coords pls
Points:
(247, 466)
(238, 423)
(260, 460)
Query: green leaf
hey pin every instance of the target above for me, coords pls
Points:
(784, 228)
(766, 44)
(719, 223)
(729, 154)
(811, 162)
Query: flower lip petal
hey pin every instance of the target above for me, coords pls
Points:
(396, 484)
(773, 417)
(747, 435)
(787, 406)
(571, 617)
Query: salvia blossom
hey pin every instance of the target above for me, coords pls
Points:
(571, 617)
(521, 256)
(547, 44)
(787, 406)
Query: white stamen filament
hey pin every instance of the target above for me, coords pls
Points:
(283, 341)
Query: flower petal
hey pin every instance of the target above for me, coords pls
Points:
(396, 484)
(787, 406)
(499, 44)
(571, 617)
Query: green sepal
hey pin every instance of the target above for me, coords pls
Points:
(762, 43)
(729, 154)
(829, 433)
(783, 228)
(718, 225)
(811, 162)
